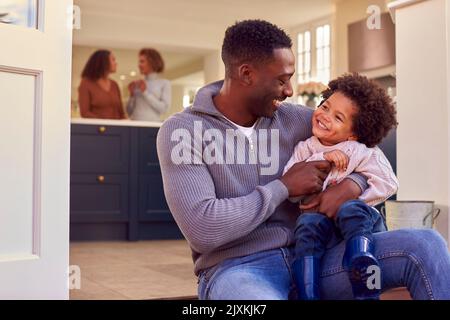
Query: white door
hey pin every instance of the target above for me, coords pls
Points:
(35, 73)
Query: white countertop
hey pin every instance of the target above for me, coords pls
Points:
(109, 122)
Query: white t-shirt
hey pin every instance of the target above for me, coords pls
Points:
(247, 131)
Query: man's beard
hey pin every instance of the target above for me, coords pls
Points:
(262, 106)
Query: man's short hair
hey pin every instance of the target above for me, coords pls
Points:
(252, 41)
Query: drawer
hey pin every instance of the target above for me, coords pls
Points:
(99, 149)
(98, 198)
(152, 202)
(148, 156)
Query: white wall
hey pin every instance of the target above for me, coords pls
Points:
(177, 101)
(423, 105)
(213, 67)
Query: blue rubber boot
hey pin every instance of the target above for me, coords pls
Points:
(306, 274)
(358, 257)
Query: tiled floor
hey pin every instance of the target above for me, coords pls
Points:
(133, 270)
(141, 270)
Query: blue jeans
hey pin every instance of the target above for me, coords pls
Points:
(315, 232)
(416, 259)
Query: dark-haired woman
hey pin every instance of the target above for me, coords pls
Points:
(98, 95)
(150, 97)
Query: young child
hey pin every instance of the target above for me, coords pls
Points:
(354, 117)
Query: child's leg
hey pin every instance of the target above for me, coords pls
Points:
(356, 221)
(312, 233)
(356, 218)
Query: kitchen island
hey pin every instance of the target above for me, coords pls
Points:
(116, 190)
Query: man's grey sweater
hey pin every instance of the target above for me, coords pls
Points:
(228, 210)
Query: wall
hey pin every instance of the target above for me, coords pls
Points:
(177, 101)
(213, 67)
(423, 101)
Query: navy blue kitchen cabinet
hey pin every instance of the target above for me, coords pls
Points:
(154, 215)
(116, 190)
(100, 149)
(99, 197)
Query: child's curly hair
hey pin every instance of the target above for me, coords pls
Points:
(376, 114)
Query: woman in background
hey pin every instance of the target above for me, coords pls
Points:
(149, 98)
(98, 95)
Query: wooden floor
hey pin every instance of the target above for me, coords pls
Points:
(142, 270)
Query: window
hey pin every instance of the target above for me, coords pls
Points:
(313, 58)
(19, 12)
(323, 53)
(189, 95)
(314, 52)
(304, 57)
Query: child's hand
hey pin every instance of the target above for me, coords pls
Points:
(338, 158)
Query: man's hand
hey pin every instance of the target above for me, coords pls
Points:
(329, 201)
(305, 177)
(338, 158)
(310, 203)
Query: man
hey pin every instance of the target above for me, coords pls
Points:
(235, 214)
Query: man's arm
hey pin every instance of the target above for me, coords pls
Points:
(206, 221)
(329, 201)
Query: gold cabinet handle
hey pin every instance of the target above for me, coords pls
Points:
(102, 129)
(101, 179)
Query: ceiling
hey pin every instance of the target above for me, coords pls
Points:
(194, 26)
(184, 31)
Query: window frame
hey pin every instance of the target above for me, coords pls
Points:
(311, 27)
